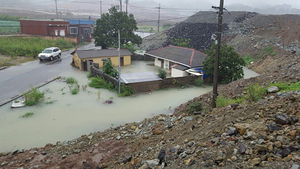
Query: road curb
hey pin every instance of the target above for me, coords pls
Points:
(5, 67)
(37, 86)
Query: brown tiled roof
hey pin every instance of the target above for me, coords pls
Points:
(83, 54)
(184, 56)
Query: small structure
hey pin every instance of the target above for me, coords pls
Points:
(179, 61)
(84, 58)
(82, 30)
(46, 27)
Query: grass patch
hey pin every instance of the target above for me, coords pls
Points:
(255, 92)
(198, 82)
(74, 88)
(29, 46)
(197, 106)
(71, 80)
(274, 54)
(248, 59)
(28, 114)
(286, 86)
(33, 97)
(268, 50)
(51, 102)
(126, 91)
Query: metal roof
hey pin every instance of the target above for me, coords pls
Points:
(139, 77)
(183, 56)
(83, 54)
(81, 22)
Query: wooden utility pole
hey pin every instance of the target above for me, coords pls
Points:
(121, 5)
(158, 18)
(119, 75)
(216, 69)
(126, 5)
(56, 9)
(100, 8)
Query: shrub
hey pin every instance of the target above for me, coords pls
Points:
(71, 80)
(33, 97)
(89, 75)
(248, 59)
(268, 50)
(274, 54)
(199, 82)
(255, 92)
(98, 82)
(197, 106)
(111, 86)
(162, 73)
(222, 101)
(109, 69)
(126, 90)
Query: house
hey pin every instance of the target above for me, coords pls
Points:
(46, 27)
(83, 58)
(179, 61)
(82, 30)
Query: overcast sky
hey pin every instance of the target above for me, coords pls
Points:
(252, 3)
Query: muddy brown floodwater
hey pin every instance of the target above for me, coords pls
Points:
(70, 116)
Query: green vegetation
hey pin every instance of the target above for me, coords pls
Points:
(33, 97)
(83, 87)
(248, 59)
(126, 90)
(10, 18)
(181, 42)
(106, 34)
(109, 69)
(230, 64)
(283, 86)
(197, 106)
(9, 27)
(268, 50)
(98, 82)
(255, 92)
(162, 73)
(74, 88)
(222, 101)
(28, 114)
(89, 75)
(71, 80)
(129, 46)
(199, 82)
(20, 46)
(274, 54)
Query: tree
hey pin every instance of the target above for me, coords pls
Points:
(230, 64)
(181, 42)
(106, 31)
(109, 69)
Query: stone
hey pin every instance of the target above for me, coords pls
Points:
(273, 89)
(273, 126)
(293, 133)
(242, 127)
(152, 163)
(295, 166)
(260, 147)
(144, 166)
(90, 137)
(119, 137)
(259, 141)
(254, 161)
(127, 159)
(174, 149)
(232, 131)
(157, 131)
(161, 156)
(277, 144)
(282, 119)
(242, 148)
(108, 102)
(133, 127)
(188, 118)
(189, 162)
(279, 138)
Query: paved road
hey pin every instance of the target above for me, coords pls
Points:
(16, 80)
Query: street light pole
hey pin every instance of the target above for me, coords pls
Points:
(119, 75)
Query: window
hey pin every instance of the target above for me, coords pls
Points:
(92, 30)
(73, 30)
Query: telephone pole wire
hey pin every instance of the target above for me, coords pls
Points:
(158, 18)
(216, 69)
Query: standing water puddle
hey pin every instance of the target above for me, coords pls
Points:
(73, 115)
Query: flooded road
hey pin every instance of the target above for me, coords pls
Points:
(73, 115)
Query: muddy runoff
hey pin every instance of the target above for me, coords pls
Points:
(63, 116)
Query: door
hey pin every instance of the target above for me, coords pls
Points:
(62, 32)
(162, 63)
(122, 61)
(56, 32)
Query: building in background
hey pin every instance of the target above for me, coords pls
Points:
(82, 30)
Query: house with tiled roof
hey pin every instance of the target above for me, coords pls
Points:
(84, 58)
(179, 61)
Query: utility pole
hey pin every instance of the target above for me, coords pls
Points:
(119, 75)
(56, 9)
(100, 8)
(158, 18)
(126, 5)
(216, 69)
(121, 5)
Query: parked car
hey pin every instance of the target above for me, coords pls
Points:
(50, 53)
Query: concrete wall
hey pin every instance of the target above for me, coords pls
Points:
(178, 73)
(157, 62)
(97, 72)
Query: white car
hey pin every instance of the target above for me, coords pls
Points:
(50, 53)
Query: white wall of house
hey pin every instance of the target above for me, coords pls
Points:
(166, 64)
(157, 62)
(178, 73)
